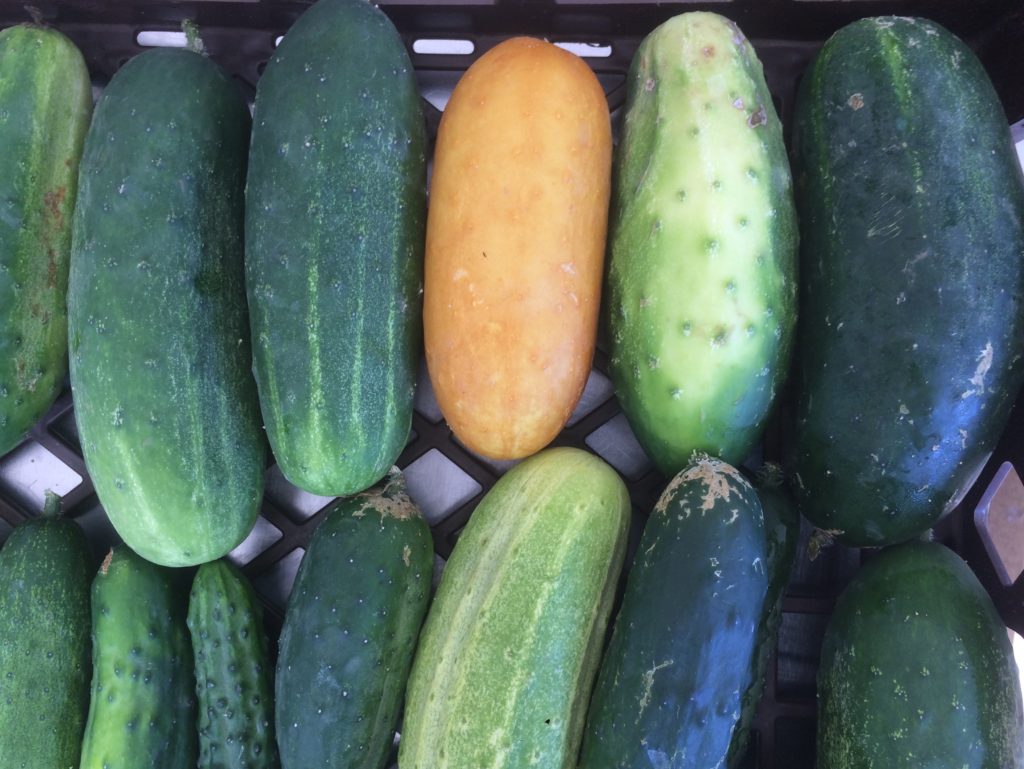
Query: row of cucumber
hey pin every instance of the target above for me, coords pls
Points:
(510, 669)
(305, 233)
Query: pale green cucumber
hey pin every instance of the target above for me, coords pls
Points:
(702, 275)
(507, 657)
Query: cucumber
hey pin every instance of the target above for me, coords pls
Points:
(912, 218)
(350, 630)
(515, 250)
(234, 684)
(506, 661)
(44, 643)
(782, 532)
(142, 711)
(917, 670)
(166, 405)
(674, 682)
(45, 107)
(335, 218)
(702, 273)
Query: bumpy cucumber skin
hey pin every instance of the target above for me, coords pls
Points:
(45, 107)
(702, 272)
(142, 711)
(234, 683)
(671, 687)
(350, 631)
(44, 644)
(912, 217)
(335, 221)
(507, 658)
(166, 405)
(917, 670)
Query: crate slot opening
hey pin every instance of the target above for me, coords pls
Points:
(156, 38)
(443, 46)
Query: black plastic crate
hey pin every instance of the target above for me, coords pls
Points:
(445, 478)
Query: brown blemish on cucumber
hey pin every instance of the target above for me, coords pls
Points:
(758, 118)
(390, 500)
(713, 473)
(820, 540)
(856, 101)
(105, 566)
(53, 202)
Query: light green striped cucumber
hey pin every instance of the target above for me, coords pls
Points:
(142, 711)
(45, 107)
(507, 657)
(702, 275)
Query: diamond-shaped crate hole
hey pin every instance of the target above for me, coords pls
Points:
(275, 584)
(598, 390)
(29, 471)
(438, 486)
(615, 443)
(298, 504)
(1000, 521)
(262, 536)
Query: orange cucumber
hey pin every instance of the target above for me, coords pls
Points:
(515, 245)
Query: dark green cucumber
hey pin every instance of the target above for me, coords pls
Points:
(912, 219)
(782, 532)
(335, 218)
(917, 670)
(703, 247)
(234, 680)
(44, 643)
(166, 405)
(673, 685)
(142, 711)
(45, 106)
(350, 631)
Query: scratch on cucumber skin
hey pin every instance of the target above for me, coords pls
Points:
(648, 684)
(978, 380)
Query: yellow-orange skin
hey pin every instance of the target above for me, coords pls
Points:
(515, 246)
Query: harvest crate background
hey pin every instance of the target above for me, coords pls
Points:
(445, 478)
